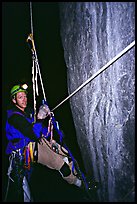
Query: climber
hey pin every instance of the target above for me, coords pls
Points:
(27, 143)
(24, 137)
(19, 132)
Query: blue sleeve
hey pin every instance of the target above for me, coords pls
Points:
(37, 129)
(44, 131)
(26, 128)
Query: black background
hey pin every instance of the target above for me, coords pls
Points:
(17, 65)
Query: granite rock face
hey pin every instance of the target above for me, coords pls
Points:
(104, 110)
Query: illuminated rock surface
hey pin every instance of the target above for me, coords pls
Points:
(104, 110)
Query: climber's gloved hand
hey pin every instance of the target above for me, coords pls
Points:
(44, 111)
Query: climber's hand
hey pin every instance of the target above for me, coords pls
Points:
(44, 111)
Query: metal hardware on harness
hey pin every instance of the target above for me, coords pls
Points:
(12, 156)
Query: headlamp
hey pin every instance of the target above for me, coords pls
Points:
(18, 88)
(24, 86)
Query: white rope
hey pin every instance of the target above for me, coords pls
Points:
(97, 73)
(34, 95)
(38, 71)
(35, 68)
(36, 58)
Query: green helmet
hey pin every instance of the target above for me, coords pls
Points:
(17, 88)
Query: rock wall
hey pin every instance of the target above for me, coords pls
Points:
(104, 110)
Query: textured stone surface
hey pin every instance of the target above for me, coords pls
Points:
(104, 110)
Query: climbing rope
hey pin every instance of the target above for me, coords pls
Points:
(97, 73)
(35, 67)
(36, 60)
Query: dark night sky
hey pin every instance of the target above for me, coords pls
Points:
(17, 61)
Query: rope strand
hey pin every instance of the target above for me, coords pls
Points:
(97, 73)
(35, 67)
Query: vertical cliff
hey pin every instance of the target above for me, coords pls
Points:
(104, 110)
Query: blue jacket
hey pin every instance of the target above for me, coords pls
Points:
(20, 130)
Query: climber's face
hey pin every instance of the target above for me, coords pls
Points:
(20, 100)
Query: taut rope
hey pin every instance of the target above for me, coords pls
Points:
(97, 73)
(35, 67)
